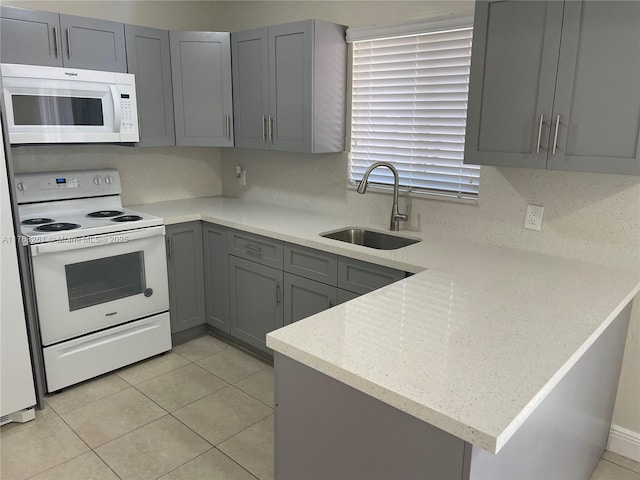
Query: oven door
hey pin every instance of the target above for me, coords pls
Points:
(87, 284)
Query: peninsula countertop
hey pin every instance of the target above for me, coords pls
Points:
(470, 344)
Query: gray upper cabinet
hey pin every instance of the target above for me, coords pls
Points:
(289, 87)
(148, 58)
(201, 74)
(597, 97)
(93, 44)
(30, 37)
(186, 275)
(43, 38)
(555, 85)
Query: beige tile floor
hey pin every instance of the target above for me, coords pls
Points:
(203, 411)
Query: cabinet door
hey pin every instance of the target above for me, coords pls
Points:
(250, 53)
(255, 301)
(201, 73)
(598, 88)
(513, 67)
(186, 275)
(346, 295)
(363, 277)
(290, 70)
(148, 58)
(216, 277)
(304, 297)
(93, 44)
(30, 37)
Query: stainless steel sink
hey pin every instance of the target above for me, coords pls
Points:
(370, 238)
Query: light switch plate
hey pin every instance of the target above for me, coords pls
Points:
(533, 218)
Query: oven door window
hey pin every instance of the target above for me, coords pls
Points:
(106, 279)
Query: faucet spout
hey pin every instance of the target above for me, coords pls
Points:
(396, 216)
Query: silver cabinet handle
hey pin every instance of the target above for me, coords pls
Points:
(69, 42)
(270, 129)
(278, 294)
(169, 249)
(55, 40)
(255, 250)
(264, 128)
(539, 134)
(555, 135)
(228, 126)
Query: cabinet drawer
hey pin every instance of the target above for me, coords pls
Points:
(309, 263)
(363, 277)
(255, 248)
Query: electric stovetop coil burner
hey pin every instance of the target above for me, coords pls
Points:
(127, 218)
(105, 213)
(57, 227)
(37, 221)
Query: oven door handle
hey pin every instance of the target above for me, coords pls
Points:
(97, 240)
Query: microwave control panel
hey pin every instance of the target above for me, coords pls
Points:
(128, 113)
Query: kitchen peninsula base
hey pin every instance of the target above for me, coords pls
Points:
(325, 429)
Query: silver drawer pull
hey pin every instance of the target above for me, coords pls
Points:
(539, 134)
(253, 250)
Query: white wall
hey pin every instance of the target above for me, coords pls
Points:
(148, 174)
(591, 217)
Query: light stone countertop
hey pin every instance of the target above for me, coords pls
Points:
(472, 344)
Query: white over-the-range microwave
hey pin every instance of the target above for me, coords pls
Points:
(63, 105)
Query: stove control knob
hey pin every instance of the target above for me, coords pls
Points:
(22, 186)
(107, 180)
(97, 180)
(148, 292)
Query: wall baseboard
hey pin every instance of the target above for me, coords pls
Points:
(624, 442)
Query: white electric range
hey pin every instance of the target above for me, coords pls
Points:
(99, 274)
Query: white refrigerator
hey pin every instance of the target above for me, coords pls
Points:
(17, 392)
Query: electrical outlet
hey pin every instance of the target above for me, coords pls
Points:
(533, 219)
(241, 175)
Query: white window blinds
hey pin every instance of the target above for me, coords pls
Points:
(409, 107)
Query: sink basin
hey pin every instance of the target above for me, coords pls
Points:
(370, 238)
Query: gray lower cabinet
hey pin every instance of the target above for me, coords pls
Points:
(289, 87)
(363, 277)
(255, 301)
(555, 85)
(304, 297)
(216, 276)
(346, 295)
(201, 74)
(185, 268)
(36, 37)
(148, 58)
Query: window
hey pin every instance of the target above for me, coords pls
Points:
(409, 107)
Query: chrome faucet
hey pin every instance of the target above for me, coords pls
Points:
(396, 216)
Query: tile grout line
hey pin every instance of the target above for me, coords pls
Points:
(621, 466)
